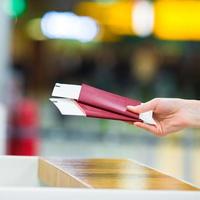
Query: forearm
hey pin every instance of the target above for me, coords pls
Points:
(193, 113)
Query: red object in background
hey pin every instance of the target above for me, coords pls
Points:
(23, 135)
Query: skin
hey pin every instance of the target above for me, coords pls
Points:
(171, 115)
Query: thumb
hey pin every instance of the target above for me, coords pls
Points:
(144, 107)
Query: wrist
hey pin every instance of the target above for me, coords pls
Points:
(193, 113)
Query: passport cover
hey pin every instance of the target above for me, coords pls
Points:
(89, 101)
(73, 107)
(100, 113)
(107, 101)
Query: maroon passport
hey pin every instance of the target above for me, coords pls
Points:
(107, 101)
(85, 100)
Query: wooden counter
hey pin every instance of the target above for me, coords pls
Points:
(106, 173)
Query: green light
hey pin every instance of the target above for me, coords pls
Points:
(15, 8)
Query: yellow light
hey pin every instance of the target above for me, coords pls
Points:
(34, 31)
(97, 11)
(120, 18)
(117, 16)
(177, 20)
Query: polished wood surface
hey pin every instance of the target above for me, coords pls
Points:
(106, 173)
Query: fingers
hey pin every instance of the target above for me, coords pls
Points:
(145, 107)
(145, 126)
(150, 128)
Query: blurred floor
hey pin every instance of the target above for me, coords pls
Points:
(176, 155)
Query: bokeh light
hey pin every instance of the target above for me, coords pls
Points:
(177, 20)
(143, 18)
(15, 8)
(67, 25)
(34, 31)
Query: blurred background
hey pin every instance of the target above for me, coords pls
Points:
(136, 48)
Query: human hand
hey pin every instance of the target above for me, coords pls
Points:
(171, 115)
